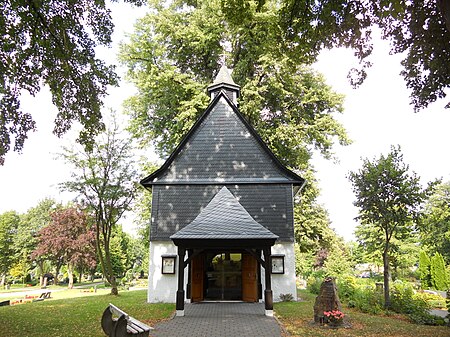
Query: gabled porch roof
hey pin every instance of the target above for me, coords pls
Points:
(224, 218)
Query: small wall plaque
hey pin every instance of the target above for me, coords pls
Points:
(277, 264)
(168, 264)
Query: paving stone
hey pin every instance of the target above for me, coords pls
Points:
(220, 320)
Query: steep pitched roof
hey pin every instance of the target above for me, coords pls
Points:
(224, 218)
(223, 77)
(223, 148)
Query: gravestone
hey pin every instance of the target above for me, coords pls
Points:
(328, 300)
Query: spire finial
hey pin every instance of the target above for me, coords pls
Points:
(223, 59)
(224, 81)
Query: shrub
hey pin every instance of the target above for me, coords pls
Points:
(313, 284)
(448, 304)
(347, 287)
(425, 269)
(356, 293)
(435, 301)
(286, 297)
(405, 301)
(368, 300)
(438, 272)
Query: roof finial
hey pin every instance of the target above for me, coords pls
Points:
(224, 81)
(223, 59)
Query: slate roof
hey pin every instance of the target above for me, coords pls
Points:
(224, 218)
(222, 148)
(223, 77)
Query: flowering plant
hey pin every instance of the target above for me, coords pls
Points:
(334, 316)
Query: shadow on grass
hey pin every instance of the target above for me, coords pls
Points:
(80, 316)
(298, 316)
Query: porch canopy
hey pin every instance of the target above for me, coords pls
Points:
(224, 224)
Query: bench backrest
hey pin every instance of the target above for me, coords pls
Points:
(116, 311)
(133, 325)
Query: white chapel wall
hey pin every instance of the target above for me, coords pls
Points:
(283, 283)
(162, 287)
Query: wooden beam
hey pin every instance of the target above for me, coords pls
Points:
(180, 291)
(268, 295)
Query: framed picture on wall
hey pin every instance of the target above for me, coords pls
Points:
(277, 264)
(168, 264)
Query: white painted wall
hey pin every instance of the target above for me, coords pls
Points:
(283, 283)
(162, 287)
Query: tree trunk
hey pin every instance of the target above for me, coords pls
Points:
(44, 282)
(387, 297)
(58, 267)
(70, 274)
(444, 7)
(111, 277)
(105, 263)
(40, 264)
(3, 280)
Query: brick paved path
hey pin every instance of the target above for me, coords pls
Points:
(220, 320)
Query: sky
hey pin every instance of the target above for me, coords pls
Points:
(376, 116)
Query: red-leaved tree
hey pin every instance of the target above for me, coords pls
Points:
(68, 239)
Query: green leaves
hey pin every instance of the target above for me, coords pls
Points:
(173, 55)
(435, 224)
(52, 43)
(416, 29)
(387, 194)
(389, 199)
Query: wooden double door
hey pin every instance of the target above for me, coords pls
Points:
(224, 276)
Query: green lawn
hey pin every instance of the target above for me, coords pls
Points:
(297, 317)
(68, 315)
(76, 316)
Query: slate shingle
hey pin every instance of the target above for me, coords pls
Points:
(224, 218)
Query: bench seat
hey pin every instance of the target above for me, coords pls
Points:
(123, 325)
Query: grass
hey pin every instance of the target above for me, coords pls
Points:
(76, 316)
(297, 317)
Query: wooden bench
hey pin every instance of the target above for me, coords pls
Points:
(45, 295)
(123, 325)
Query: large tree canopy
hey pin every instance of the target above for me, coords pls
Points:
(175, 53)
(435, 227)
(53, 42)
(105, 182)
(389, 198)
(419, 30)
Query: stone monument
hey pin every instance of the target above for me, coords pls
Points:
(328, 300)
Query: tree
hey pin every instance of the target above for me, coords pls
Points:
(339, 260)
(425, 270)
(9, 221)
(68, 238)
(104, 180)
(439, 276)
(389, 199)
(142, 207)
(53, 42)
(26, 240)
(435, 225)
(419, 30)
(288, 104)
(404, 248)
(175, 53)
(312, 231)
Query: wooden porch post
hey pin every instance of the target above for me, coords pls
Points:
(180, 291)
(258, 252)
(268, 295)
(188, 285)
